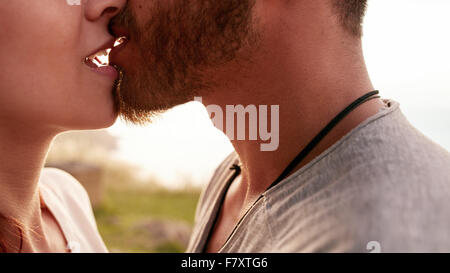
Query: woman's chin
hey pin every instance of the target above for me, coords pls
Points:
(90, 121)
(106, 123)
(102, 122)
(97, 107)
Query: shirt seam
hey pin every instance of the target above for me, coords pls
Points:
(268, 223)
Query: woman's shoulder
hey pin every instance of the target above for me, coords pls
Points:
(65, 187)
(70, 204)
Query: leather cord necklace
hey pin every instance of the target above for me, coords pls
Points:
(296, 161)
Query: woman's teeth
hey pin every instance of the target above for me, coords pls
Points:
(98, 59)
(101, 58)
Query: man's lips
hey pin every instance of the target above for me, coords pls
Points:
(124, 35)
(120, 44)
(120, 32)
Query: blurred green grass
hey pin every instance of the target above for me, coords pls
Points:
(124, 209)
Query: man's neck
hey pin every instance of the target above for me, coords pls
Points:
(309, 97)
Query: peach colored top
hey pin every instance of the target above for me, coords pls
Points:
(69, 203)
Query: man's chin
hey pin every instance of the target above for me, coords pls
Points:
(146, 109)
(133, 115)
(141, 96)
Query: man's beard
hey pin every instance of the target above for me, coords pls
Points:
(175, 47)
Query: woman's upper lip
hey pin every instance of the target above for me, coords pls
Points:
(107, 45)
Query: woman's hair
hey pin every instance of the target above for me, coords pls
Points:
(11, 226)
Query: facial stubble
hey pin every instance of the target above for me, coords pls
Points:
(176, 49)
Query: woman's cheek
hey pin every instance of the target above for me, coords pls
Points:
(42, 75)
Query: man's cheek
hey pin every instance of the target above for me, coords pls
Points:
(141, 11)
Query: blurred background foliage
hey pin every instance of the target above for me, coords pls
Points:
(134, 214)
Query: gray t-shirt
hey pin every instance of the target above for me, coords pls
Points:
(383, 187)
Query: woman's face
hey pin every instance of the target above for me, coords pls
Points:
(45, 81)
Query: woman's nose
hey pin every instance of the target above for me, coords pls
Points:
(96, 9)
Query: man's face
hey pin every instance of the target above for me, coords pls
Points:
(173, 45)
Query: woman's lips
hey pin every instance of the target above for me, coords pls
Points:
(99, 61)
(96, 65)
(108, 71)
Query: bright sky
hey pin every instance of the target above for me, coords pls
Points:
(407, 52)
